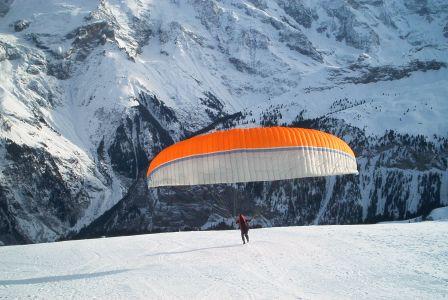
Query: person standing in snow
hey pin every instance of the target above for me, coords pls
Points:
(244, 227)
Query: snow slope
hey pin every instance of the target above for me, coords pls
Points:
(440, 213)
(399, 261)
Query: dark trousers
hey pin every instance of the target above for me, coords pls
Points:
(244, 234)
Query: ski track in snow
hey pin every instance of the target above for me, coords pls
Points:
(325, 262)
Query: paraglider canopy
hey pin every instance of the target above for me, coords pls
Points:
(251, 154)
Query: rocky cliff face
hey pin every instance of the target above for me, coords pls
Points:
(91, 91)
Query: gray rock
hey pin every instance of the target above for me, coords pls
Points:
(260, 4)
(367, 74)
(87, 37)
(9, 52)
(38, 88)
(214, 106)
(5, 6)
(242, 66)
(420, 7)
(355, 33)
(59, 69)
(297, 41)
(2, 53)
(299, 12)
(32, 70)
(49, 202)
(21, 25)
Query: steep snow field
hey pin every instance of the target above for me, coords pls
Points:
(371, 261)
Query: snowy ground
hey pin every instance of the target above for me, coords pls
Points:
(370, 261)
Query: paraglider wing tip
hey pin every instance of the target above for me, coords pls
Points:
(149, 182)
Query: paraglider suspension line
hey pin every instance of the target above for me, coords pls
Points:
(234, 200)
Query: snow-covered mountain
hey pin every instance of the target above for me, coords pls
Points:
(90, 91)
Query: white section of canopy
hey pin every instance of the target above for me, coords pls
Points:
(253, 165)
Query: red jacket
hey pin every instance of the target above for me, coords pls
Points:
(243, 222)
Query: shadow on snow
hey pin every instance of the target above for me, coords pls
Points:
(48, 279)
(194, 250)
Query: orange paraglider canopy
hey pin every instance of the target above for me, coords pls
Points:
(210, 158)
